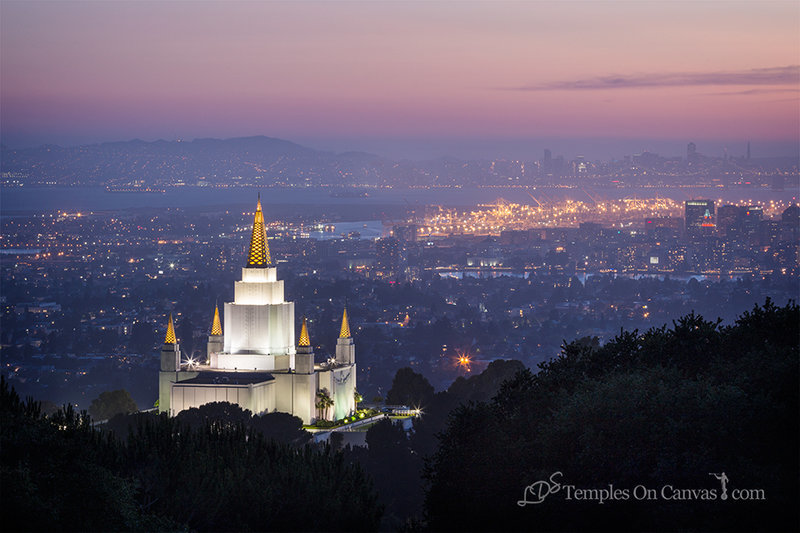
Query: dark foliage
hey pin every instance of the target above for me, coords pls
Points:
(394, 458)
(112, 403)
(409, 388)
(59, 473)
(395, 467)
(665, 407)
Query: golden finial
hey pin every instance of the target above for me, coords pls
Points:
(305, 340)
(216, 326)
(170, 338)
(259, 247)
(345, 333)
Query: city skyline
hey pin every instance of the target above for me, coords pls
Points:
(407, 79)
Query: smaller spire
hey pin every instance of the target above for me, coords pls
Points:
(345, 332)
(216, 326)
(305, 340)
(170, 338)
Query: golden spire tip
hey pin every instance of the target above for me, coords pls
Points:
(216, 325)
(305, 340)
(259, 255)
(170, 338)
(345, 332)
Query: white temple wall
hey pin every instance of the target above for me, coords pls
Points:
(259, 275)
(283, 392)
(165, 382)
(260, 329)
(343, 380)
(258, 398)
(340, 383)
(246, 293)
(234, 361)
(305, 391)
(345, 351)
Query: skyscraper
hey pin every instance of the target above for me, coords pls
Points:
(691, 153)
(699, 218)
(387, 255)
(547, 162)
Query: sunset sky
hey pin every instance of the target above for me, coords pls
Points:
(386, 76)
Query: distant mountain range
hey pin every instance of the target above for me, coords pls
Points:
(257, 160)
(264, 162)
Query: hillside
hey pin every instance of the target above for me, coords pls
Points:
(634, 435)
(259, 160)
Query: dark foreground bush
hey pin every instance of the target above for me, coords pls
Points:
(664, 410)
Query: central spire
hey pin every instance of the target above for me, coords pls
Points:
(345, 332)
(259, 247)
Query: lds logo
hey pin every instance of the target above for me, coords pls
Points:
(538, 491)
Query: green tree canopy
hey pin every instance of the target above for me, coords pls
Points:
(112, 403)
(409, 388)
(664, 407)
(60, 473)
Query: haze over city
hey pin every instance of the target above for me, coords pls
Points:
(407, 79)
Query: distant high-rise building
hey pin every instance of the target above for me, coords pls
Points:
(691, 153)
(729, 221)
(547, 162)
(662, 227)
(581, 166)
(387, 255)
(699, 217)
(405, 232)
(751, 220)
(748, 150)
(558, 166)
(790, 223)
(791, 215)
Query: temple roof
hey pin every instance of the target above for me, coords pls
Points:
(170, 338)
(305, 340)
(226, 378)
(345, 332)
(216, 326)
(259, 256)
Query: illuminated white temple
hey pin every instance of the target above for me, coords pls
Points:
(255, 363)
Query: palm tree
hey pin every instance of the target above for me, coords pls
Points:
(324, 401)
(357, 397)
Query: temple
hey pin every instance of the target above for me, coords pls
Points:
(253, 360)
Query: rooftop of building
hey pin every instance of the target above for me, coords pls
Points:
(216, 377)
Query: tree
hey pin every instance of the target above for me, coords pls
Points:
(323, 403)
(112, 403)
(384, 437)
(216, 415)
(357, 397)
(61, 473)
(54, 477)
(336, 440)
(281, 427)
(395, 469)
(409, 388)
(664, 407)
